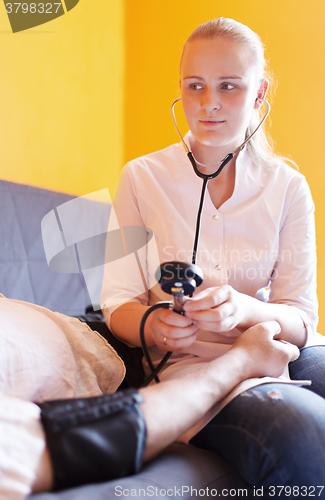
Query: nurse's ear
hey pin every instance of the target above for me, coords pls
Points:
(261, 93)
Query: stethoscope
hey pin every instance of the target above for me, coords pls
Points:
(178, 278)
(207, 177)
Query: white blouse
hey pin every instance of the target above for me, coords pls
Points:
(266, 226)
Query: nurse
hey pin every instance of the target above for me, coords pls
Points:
(258, 218)
(257, 223)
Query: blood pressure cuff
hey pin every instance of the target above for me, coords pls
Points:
(94, 439)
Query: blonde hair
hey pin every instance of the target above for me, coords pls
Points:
(260, 146)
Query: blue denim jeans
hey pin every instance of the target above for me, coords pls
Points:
(274, 434)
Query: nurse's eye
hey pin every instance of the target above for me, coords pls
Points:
(227, 86)
(196, 86)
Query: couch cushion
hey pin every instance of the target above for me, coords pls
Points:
(24, 272)
(180, 468)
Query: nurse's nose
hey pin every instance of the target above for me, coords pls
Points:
(210, 101)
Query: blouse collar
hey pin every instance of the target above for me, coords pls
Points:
(242, 158)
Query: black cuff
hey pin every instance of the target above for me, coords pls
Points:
(94, 439)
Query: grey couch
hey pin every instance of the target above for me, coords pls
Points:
(181, 471)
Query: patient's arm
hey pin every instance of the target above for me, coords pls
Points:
(172, 407)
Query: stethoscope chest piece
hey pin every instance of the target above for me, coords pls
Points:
(179, 274)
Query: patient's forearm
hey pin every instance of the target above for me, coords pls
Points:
(173, 407)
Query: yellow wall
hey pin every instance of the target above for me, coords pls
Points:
(61, 99)
(293, 31)
(63, 89)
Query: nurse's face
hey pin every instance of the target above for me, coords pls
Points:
(219, 87)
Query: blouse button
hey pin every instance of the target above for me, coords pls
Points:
(218, 267)
(215, 217)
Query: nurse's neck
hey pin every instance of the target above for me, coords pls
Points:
(209, 158)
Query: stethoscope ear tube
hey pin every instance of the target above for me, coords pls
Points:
(226, 158)
(216, 173)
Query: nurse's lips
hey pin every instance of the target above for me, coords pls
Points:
(211, 122)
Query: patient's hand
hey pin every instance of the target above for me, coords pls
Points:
(263, 354)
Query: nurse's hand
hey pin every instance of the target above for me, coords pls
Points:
(217, 309)
(170, 331)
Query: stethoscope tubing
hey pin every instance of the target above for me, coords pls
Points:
(207, 177)
(229, 155)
